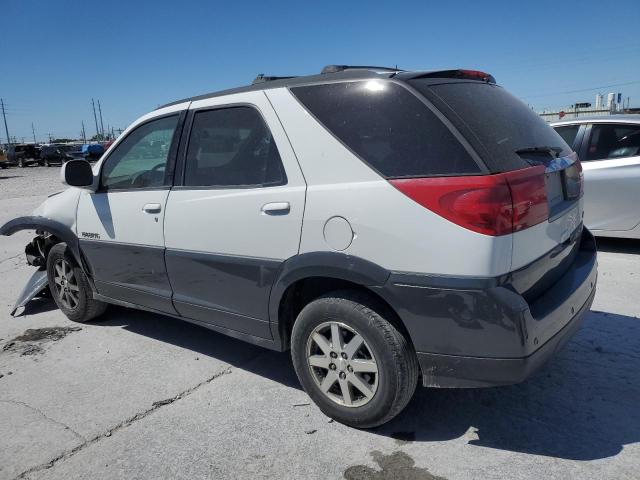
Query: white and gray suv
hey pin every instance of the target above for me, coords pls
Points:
(383, 225)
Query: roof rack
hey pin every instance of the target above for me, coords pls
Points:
(342, 68)
(262, 78)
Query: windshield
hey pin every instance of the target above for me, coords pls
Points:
(502, 124)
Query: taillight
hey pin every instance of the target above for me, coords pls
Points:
(490, 204)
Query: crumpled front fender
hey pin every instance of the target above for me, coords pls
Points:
(63, 232)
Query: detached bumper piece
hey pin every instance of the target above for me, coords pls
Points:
(36, 284)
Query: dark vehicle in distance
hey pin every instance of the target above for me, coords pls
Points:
(92, 151)
(23, 155)
(50, 154)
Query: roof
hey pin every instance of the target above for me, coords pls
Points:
(332, 73)
(619, 117)
(356, 74)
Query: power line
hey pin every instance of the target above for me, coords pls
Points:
(601, 87)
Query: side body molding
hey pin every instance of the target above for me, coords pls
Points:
(58, 229)
(321, 264)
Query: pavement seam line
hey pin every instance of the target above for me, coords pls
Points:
(124, 424)
(17, 255)
(44, 415)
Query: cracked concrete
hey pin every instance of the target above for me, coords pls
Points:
(124, 424)
(143, 396)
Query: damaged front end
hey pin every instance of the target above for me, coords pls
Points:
(53, 222)
(36, 253)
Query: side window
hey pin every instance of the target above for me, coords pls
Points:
(139, 160)
(568, 133)
(232, 147)
(610, 141)
(388, 127)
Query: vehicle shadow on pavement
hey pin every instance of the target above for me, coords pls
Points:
(583, 405)
(273, 365)
(618, 245)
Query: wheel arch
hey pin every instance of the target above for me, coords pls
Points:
(308, 276)
(60, 230)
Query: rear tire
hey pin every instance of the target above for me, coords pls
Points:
(69, 286)
(363, 386)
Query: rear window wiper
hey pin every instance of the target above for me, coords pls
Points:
(553, 151)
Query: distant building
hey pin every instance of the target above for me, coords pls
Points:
(614, 105)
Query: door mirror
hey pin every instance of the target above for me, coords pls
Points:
(77, 173)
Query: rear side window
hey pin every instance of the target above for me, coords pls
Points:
(613, 141)
(568, 133)
(388, 127)
(232, 147)
(499, 121)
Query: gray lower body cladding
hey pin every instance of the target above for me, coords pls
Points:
(487, 332)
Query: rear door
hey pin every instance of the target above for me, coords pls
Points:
(120, 226)
(612, 176)
(235, 213)
(572, 134)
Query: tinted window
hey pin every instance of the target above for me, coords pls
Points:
(232, 147)
(388, 127)
(140, 159)
(497, 119)
(568, 133)
(613, 141)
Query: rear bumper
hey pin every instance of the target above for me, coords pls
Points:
(482, 332)
(453, 371)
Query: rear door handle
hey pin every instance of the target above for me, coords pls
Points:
(152, 208)
(276, 208)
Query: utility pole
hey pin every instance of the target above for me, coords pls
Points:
(84, 135)
(33, 130)
(93, 105)
(101, 124)
(50, 137)
(6, 129)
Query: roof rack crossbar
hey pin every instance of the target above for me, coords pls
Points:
(342, 68)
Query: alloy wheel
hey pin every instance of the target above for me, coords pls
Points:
(66, 284)
(342, 364)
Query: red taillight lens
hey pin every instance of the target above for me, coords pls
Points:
(528, 196)
(490, 204)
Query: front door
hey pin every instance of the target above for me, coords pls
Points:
(120, 226)
(235, 215)
(611, 166)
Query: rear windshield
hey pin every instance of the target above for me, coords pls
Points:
(495, 118)
(388, 127)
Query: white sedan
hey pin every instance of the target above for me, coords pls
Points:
(609, 147)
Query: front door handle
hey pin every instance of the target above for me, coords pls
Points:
(152, 208)
(276, 208)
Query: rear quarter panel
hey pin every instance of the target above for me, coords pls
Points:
(388, 228)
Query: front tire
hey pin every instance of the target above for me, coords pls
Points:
(352, 361)
(69, 286)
